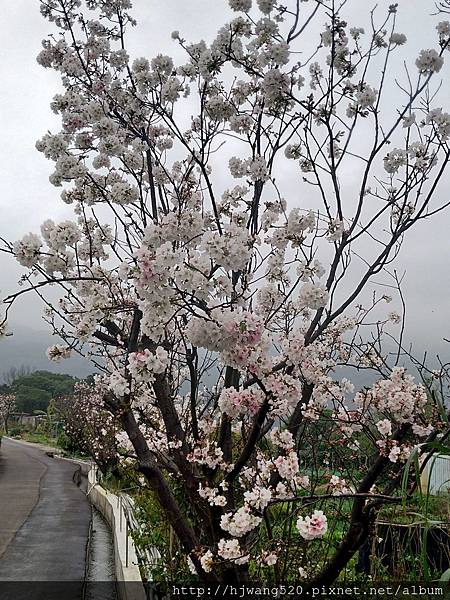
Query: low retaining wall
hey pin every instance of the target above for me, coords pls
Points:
(130, 586)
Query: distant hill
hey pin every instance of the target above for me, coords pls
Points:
(26, 347)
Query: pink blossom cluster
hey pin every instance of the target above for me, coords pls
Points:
(314, 526)
(237, 403)
(398, 396)
(145, 364)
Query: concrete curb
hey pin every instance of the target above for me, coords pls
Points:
(125, 557)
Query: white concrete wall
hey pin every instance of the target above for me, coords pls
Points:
(126, 562)
(436, 475)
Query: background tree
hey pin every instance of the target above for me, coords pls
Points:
(220, 276)
(14, 373)
(35, 390)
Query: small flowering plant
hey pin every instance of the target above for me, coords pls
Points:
(224, 281)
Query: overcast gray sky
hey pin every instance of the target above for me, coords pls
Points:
(27, 198)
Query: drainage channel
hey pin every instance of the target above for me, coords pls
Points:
(100, 576)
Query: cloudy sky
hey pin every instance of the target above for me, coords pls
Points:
(27, 199)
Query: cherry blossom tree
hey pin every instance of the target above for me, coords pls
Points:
(225, 281)
(89, 426)
(7, 406)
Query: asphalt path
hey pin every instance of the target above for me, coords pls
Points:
(44, 520)
(20, 477)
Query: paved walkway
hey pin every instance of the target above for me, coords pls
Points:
(44, 518)
(20, 478)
